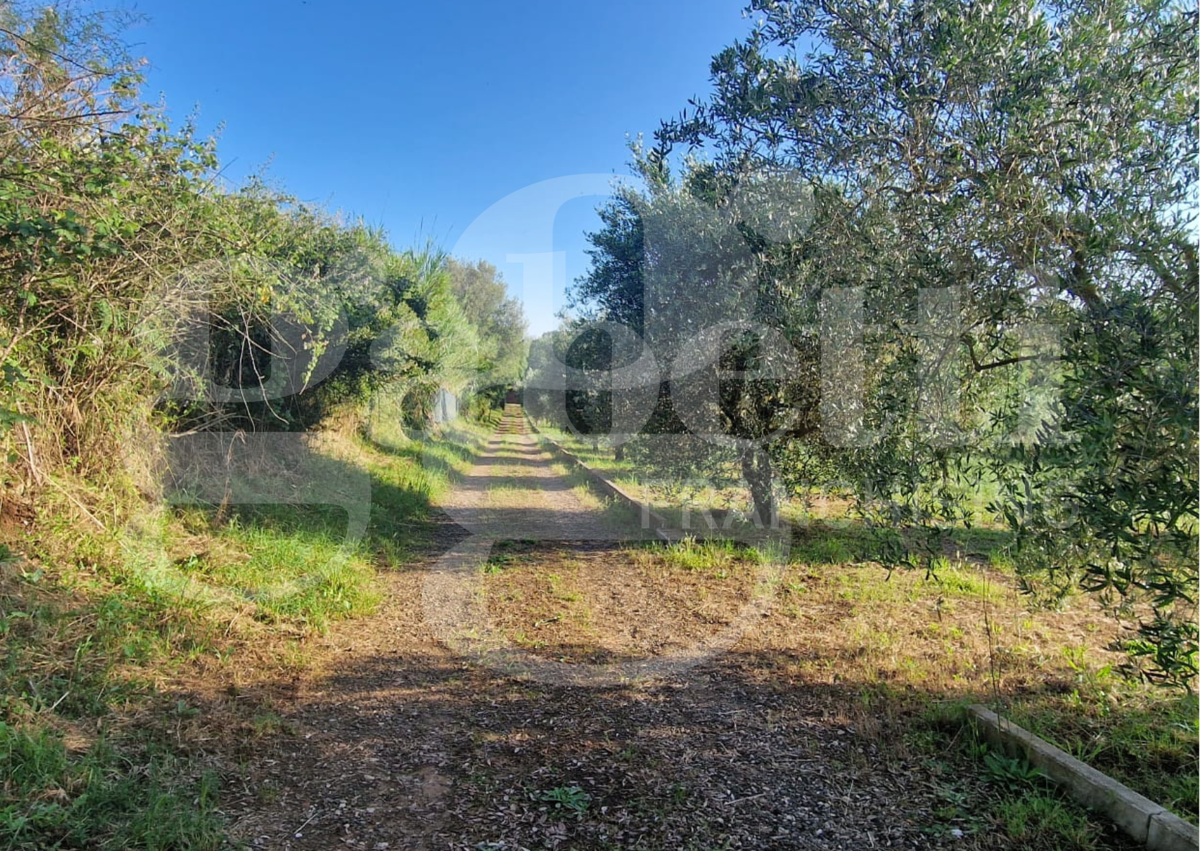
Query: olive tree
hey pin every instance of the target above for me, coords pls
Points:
(1008, 190)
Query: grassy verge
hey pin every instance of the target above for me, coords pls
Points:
(75, 770)
(134, 793)
(1147, 741)
(98, 746)
(921, 648)
(916, 649)
(1143, 736)
(893, 657)
(599, 458)
(1008, 794)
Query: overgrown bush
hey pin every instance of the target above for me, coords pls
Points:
(138, 294)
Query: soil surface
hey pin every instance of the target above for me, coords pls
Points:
(542, 681)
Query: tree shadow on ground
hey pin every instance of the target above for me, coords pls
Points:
(792, 739)
(736, 753)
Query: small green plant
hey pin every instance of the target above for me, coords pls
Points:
(496, 563)
(570, 800)
(977, 750)
(959, 581)
(694, 554)
(1011, 770)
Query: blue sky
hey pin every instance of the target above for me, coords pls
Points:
(423, 117)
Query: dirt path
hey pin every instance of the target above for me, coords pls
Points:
(401, 742)
(514, 492)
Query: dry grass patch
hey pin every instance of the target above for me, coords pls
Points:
(609, 604)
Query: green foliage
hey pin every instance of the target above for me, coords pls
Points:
(499, 322)
(1011, 770)
(297, 562)
(567, 800)
(1011, 190)
(137, 289)
(53, 799)
(712, 261)
(1148, 742)
(69, 778)
(689, 554)
(142, 300)
(1041, 819)
(1116, 506)
(822, 549)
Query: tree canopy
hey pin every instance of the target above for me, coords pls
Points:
(965, 233)
(498, 318)
(140, 289)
